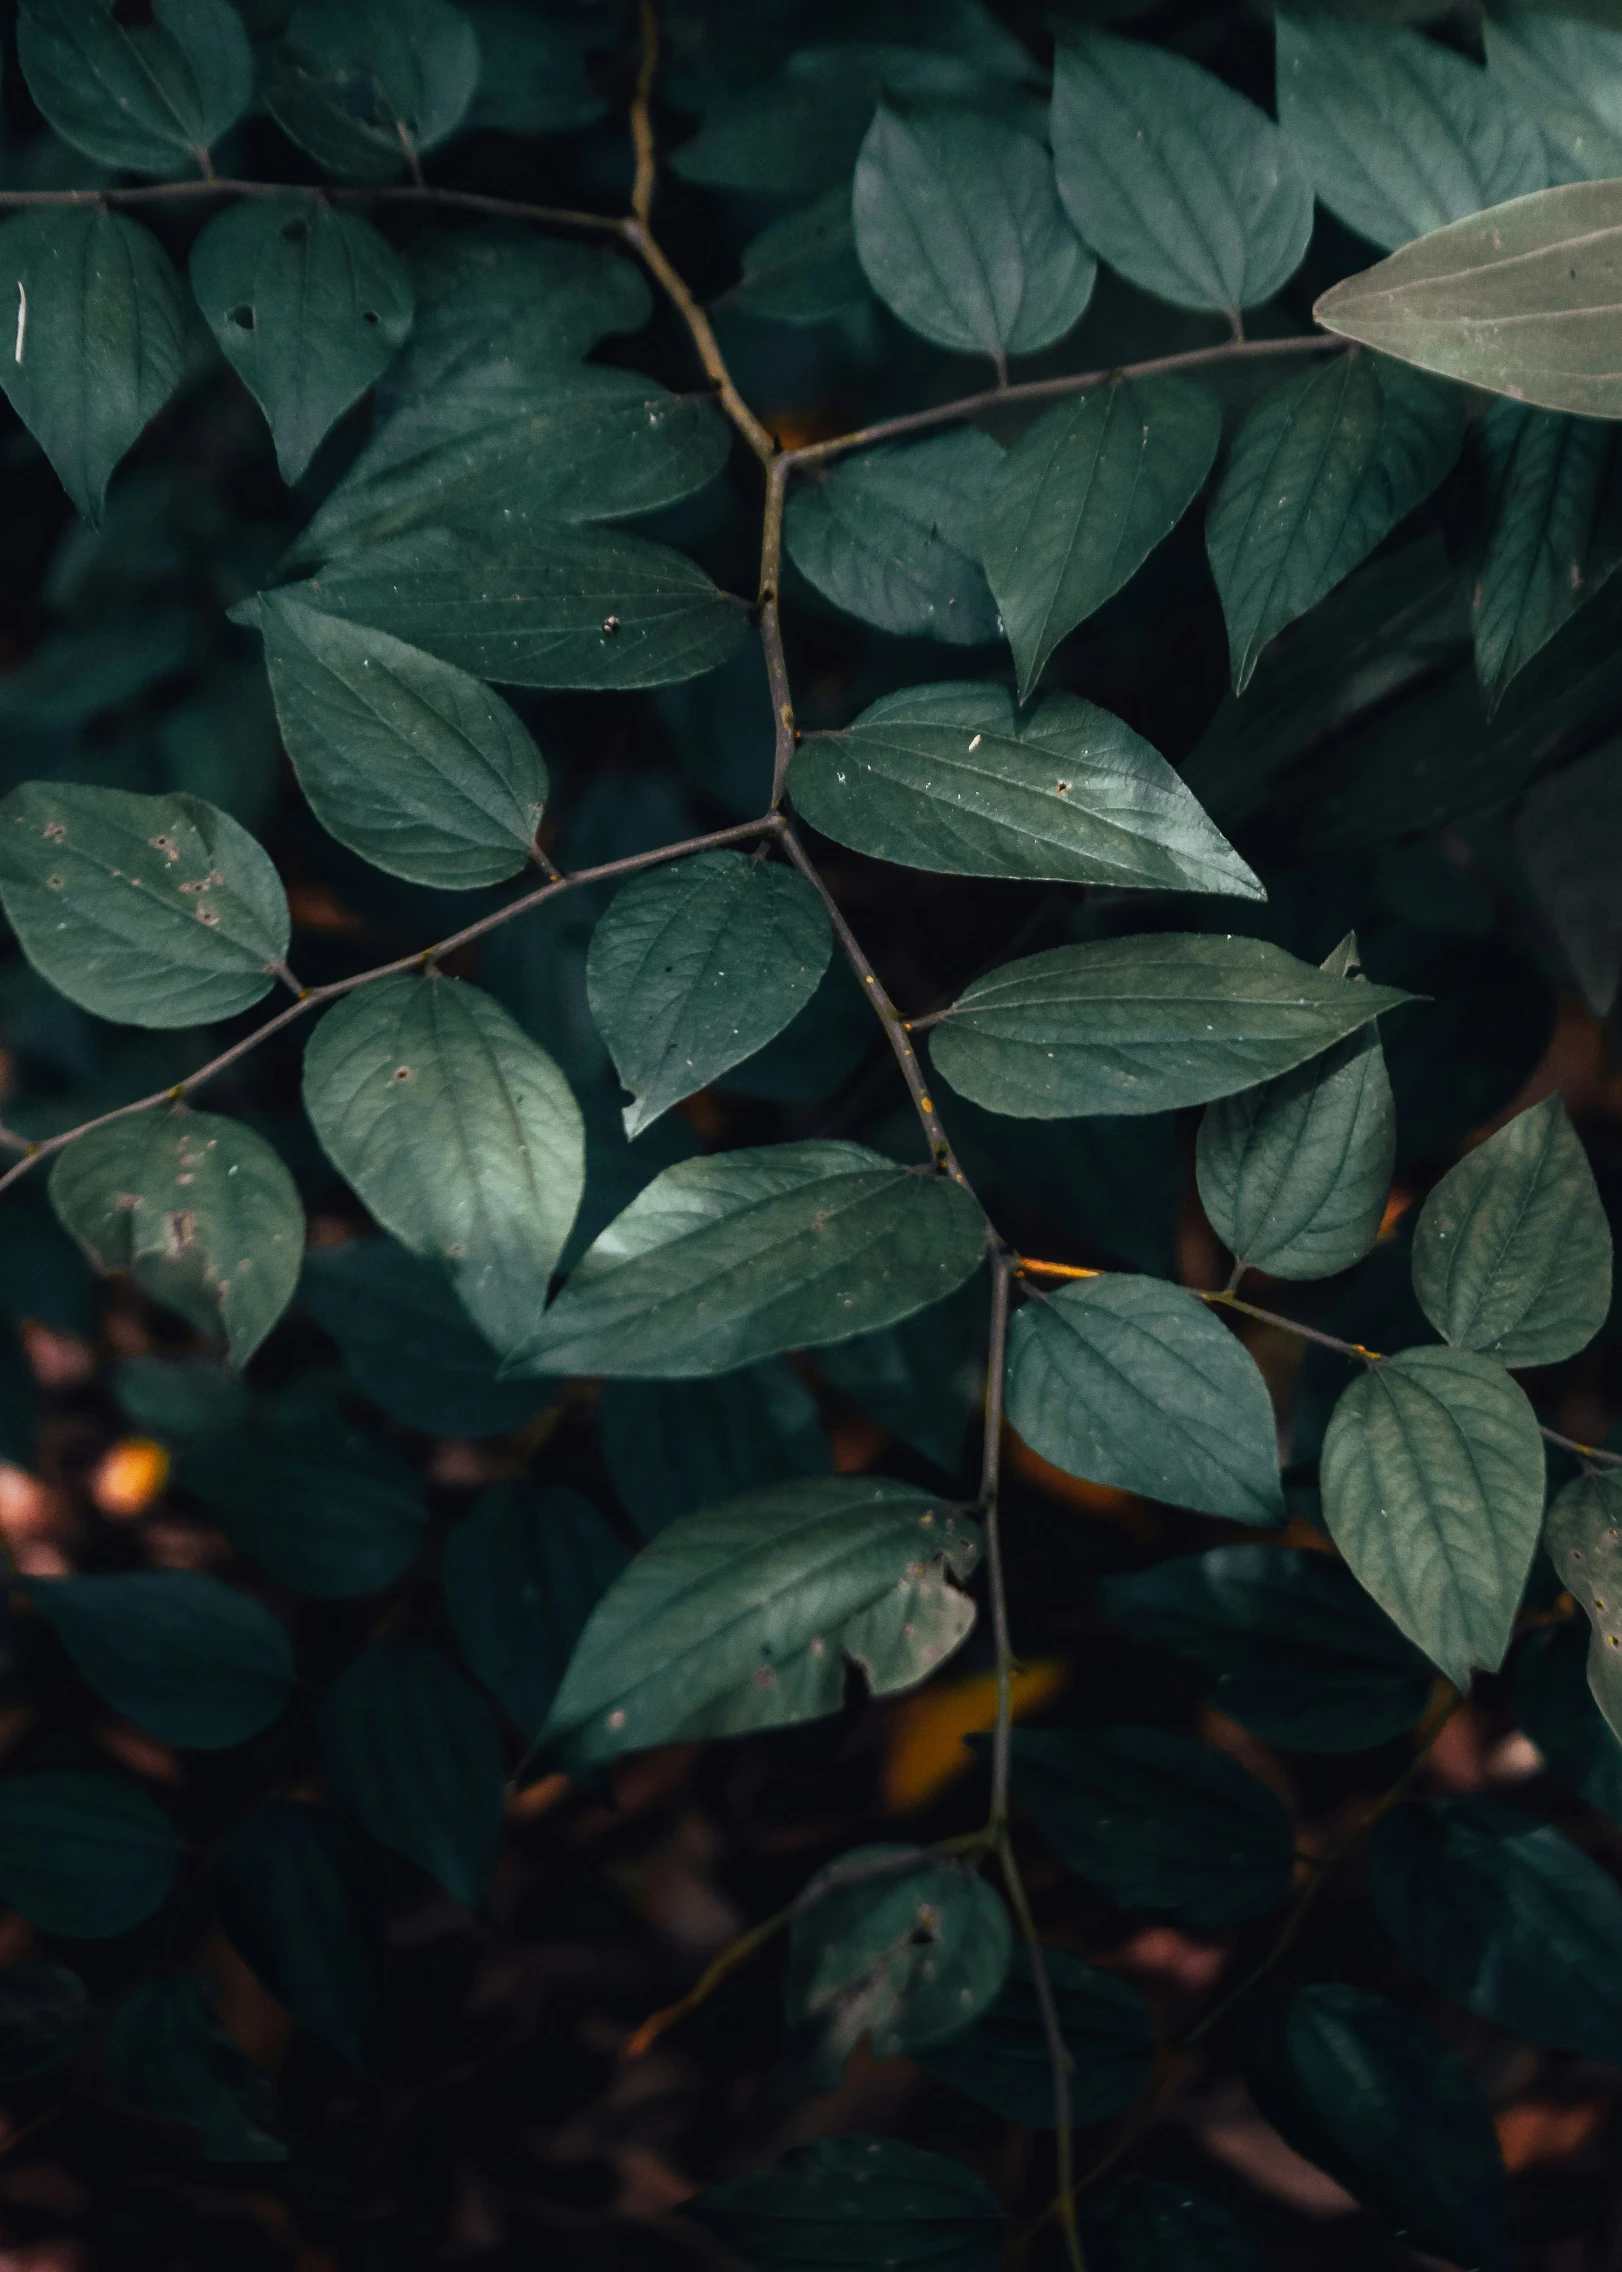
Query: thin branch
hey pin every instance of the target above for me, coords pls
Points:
(1059, 2059)
(643, 243)
(771, 628)
(641, 117)
(415, 193)
(990, 1475)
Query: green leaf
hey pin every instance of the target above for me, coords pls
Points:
(296, 1902)
(1505, 1915)
(1002, 2062)
(409, 1344)
(960, 230)
(1294, 1174)
(953, 779)
(460, 1135)
(308, 304)
(892, 537)
(1400, 134)
(892, 1945)
(1583, 1533)
(1143, 1024)
(673, 1447)
(532, 74)
(1379, 2102)
(1082, 500)
(490, 297)
(1287, 1641)
(99, 350)
(1554, 537)
(364, 84)
(803, 269)
(178, 1396)
(1569, 837)
(193, 1662)
(411, 1748)
(1521, 300)
(1134, 1383)
(923, 1379)
(1187, 189)
(147, 95)
(44, 2017)
(870, 2204)
(198, 1209)
(84, 1855)
(152, 911)
(1156, 1821)
(1320, 472)
(522, 1574)
(322, 1508)
(1148, 2225)
(745, 1616)
(540, 604)
(1512, 1251)
(696, 966)
(167, 2054)
(1567, 74)
(723, 1261)
(1561, 1713)
(1433, 1491)
(410, 762)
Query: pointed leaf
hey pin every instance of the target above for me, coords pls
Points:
(148, 95)
(323, 1509)
(192, 1661)
(522, 1575)
(1554, 538)
(892, 537)
(297, 1904)
(673, 1447)
(363, 84)
(167, 2054)
(803, 269)
(85, 1855)
(1568, 75)
(862, 2203)
(1583, 1533)
(1003, 2063)
(923, 1379)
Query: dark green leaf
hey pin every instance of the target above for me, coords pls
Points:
(324, 1510)
(1566, 73)
(1433, 1491)
(869, 2204)
(363, 84)
(1512, 1251)
(1400, 134)
(1503, 1914)
(178, 1396)
(1294, 1174)
(541, 605)
(922, 1379)
(1131, 1382)
(1003, 2064)
(696, 966)
(308, 303)
(98, 344)
(960, 230)
(412, 1749)
(198, 1209)
(791, 137)
(1583, 1533)
(1569, 837)
(410, 762)
(152, 95)
(746, 1615)
(153, 911)
(892, 1945)
(1147, 2225)
(952, 778)
(522, 1575)
(1554, 538)
(461, 1136)
(19, 1417)
(492, 297)
(1082, 500)
(1156, 1821)
(532, 74)
(892, 536)
(167, 2054)
(83, 1854)
(1558, 1710)
(1288, 1643)
(1143, 1024)
(675, 1287)
(192, 1661)
(1521, 300)
(44, 2014)
(804, 269)
(673, 1447)
(1323, 468)
(296, 1902)
(1187, 189)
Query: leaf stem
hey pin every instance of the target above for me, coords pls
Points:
(641, 118)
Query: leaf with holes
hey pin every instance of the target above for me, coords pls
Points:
(298, 1903)
(745, 1616)
(152, 95)
(1583, 1535)
(856, 2203)
(892, 537)
(522, 1575)
(167, 2054)
(364, 85)
(1554, 534)
(89, 1856)
(1003, 2063)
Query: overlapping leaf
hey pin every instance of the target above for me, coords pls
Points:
(324, 1509)
(522, 1575)
(1567, 73)
(364, 84)
(298, 1905)
(168, 2054)
(803, 268)
(892, 536)
(1583, 1533)
(673, 1447)
(1003, 2062)
(1554, 535)
(151, 95)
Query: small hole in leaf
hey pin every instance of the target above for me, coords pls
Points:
(371, 316)
(295, 232)
(132, 15)
(242, 317)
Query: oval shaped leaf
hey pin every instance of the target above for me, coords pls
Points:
(675, 1286)
(522, 1575)
(84, 1855)
(893, 536)
(153, 911)
(364, 84)
(150, 95)
(1583, 1534)
(672, 1447)
(198, 1209)
(1512, 1251)
(1433, 1490)
(193, 1662)
(868, 2203)
(298, 1905)
(1143, 1024)
(168, 2055)
(1131, 1382)
(461, 1136)
(953, 778)
(1003, 2063)
(322, 1508)
(696, 966)
(746, 1615)
(803, 269)
(1187, 189)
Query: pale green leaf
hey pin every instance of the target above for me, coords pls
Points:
(953, 778)
(856, 2205)
(154, 911)
(1003, 2062)
(747, 1615)
(1583, 1535)
(892, 537)
(1433, 1491)
(522, 1574)
(152, 95)
(85, 1855)
(804, 269)
(363, 84)
(460, 1135)
(1083, 498)
(1569, 837)
(1554, 535)
(1569, 75)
